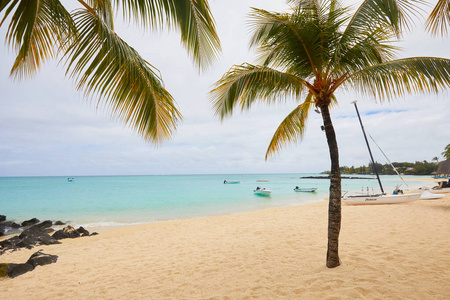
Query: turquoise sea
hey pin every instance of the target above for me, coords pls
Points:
(103, 201)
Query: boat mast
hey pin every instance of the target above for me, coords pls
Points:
(368, 147)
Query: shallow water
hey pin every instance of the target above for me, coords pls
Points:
(123, 200)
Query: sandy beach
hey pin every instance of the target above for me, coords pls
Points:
(387, 252)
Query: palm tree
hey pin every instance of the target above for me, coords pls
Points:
(439, 19)
(102, 64)
(446, 153)
(313, 51)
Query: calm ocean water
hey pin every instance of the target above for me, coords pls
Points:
(124, 200)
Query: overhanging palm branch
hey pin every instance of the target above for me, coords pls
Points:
(103, 64)
(439, 19)
(192, 18)
(107, 67)
(245, 84)
(37, 30)
(401, 77)
(292, 128)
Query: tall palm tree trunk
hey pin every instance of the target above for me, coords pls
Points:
(334, 206)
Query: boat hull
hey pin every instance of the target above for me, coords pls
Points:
(429, 196)
(382, 199)
(232, 182)
(439, 191)
(310, 190)
(262, 192)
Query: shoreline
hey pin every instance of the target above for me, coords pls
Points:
(387, 251)
(117, 221)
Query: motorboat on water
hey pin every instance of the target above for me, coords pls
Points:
(230, 182)
(70, 179)
(310, 190)
(262, 191)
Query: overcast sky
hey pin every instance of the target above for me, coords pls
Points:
(47, 128)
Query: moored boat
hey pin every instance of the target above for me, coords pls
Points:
(262, 191)
(310, 190)
(230, 182)
(381, 199)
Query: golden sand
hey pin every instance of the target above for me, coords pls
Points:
(387, 252)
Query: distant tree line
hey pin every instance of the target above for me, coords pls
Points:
(407, 168)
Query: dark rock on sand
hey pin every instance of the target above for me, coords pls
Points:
(65, 233)
(30, 222)
(82, 231)
(37, 259)
(70, 232)
(40, 259)
(43, 225)
(8, 227)
(29, 238)
(59, 223)
(35, 236)
(2, 218)
(15, 270)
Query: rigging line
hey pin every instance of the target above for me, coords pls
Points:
(395, 169)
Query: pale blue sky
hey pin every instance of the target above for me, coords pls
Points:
(47, 128)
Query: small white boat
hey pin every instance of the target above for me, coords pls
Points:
(230, 182)
(435, 190)
(70, 179)
(428, 196)
(262, 191)
(310, 190)
(381, 199)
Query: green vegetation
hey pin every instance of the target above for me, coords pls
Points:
(316, 49)
(446, 152)
(417, 168)
(3, 269)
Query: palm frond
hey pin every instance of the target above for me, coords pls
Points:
(403, 76)
(439, 19)
(292, 128)
(192, 18)
(245, 84)
(104, 10)
(105, 66)
(359, 53)
(393, 14)
(36, 31)
(285, 40)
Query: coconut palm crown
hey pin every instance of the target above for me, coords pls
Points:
(102, 64)
(316, 49)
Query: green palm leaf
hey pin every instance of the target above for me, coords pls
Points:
(245, 84)
(104, 10)
(292, 128)
(37, 30)
(107, 67)
(404, 76)
(439, 19)
(395, 14)
(192, 18)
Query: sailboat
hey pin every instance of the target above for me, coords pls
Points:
(382, 198)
